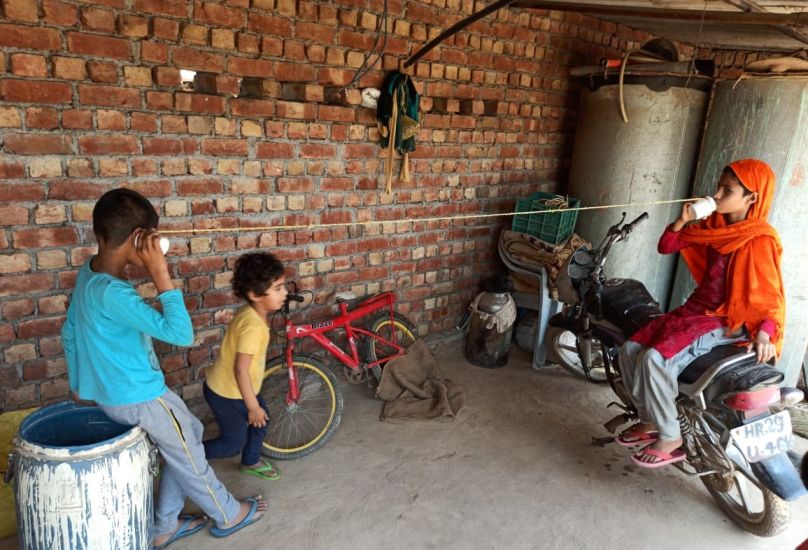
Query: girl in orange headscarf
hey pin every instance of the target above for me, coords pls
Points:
(735, 256)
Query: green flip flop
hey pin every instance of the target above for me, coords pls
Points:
(265, 471)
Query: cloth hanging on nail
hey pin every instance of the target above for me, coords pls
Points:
(397, 118)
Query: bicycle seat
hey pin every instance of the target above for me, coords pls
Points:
(349, 298)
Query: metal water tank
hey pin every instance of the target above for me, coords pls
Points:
(649, 158)
(765, 117)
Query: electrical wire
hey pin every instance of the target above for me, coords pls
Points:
(381, 33)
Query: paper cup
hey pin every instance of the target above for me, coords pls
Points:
(702, 207)
(164, 245)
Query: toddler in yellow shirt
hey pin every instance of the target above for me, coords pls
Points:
(233, 383)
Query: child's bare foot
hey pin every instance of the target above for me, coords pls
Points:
(186, 525)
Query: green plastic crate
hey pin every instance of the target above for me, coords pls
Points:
(552, 228)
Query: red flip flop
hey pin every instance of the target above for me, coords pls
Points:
(631, 438)
(660, 458)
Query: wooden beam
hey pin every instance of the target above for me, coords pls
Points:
(749, 6)
(742, 18)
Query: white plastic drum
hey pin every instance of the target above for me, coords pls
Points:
(81, 481)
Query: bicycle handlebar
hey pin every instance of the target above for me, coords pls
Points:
(294, 298)
(629, 227)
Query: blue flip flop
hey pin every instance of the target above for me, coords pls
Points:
(250, 518)
(183, 530)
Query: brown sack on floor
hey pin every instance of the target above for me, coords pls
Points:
(414, 389)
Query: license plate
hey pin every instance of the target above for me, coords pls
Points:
(764, 438)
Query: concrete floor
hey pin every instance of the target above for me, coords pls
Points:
(516, 470)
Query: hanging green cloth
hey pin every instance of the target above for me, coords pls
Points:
(397, 116)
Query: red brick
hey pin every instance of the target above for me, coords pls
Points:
(12, 215)
(166, 29)
(167, 146)
(110, 96)
(314, 32)
(77, 119)
(271, 46)
(71, 190)
(338, 114)
(198, 103)
(35, 91)
(225, 147)
(41, 117)
(69, 68)
(248, 43)
(152, 188)
(40, 327)
(276, 150)
(23, 64)
(199, 187)
(98, 19)
(29, 38)
(47, 236)
(133, 26)
(294, 72)
(160, 100)
(177, 8)
(12, 285)
(252, 107)
(360, 151)
(250, 67)
(58, 12)
(102, 72)
(21, 10)
(218, 15)
(38, 144)
(188, 58)
(167, 76)
(295, 185)
(144, 122)
(10, 170)
(108, 144)
(101, 46)
(110, 120)
(266, 24)
(315, 151)
(288, 109)
(21, 192)
(153, 52)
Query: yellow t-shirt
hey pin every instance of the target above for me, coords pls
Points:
(247, 333)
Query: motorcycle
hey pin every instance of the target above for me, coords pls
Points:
(735, 439)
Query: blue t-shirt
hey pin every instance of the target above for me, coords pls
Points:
(107, 338)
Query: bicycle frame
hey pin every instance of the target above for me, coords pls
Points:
(317, 332)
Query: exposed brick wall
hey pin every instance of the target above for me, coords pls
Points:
(92, 100)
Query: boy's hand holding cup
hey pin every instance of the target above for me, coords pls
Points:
(151, 249)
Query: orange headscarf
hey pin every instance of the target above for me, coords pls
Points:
(754, 279)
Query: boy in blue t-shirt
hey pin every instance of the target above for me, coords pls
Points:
(107, 339)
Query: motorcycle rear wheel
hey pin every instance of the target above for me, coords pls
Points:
(741, 496)
(561, 349)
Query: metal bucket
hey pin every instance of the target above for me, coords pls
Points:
(82, 481)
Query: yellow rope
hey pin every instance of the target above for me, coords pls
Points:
(406, 220)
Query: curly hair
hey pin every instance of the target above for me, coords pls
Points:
(255, 272)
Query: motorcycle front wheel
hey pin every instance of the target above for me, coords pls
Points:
(562, 350)
(736, 489)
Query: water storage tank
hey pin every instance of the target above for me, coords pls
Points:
(81, 481)
(649, 158)
(765, 117)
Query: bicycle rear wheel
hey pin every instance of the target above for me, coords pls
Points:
(303, 427)
(405, 336)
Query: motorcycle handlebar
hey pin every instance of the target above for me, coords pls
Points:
(294, 298)
(629, 227)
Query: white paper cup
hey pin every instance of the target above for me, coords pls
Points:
(702, 207)
(164, 245)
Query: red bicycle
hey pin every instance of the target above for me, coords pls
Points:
(303, 396)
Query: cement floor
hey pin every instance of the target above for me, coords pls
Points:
(516, 470)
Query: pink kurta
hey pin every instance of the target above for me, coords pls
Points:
(674, 331)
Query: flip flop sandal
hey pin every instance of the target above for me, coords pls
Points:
(267, 471)
(249, 519)
(183, 530)
(660, 458)
(631, 438)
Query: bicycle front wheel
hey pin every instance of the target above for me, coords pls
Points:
(300, 428)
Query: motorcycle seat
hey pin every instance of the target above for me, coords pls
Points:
(700, 365)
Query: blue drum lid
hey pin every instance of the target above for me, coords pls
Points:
(68, 424)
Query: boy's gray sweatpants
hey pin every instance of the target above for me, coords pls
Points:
(652, 380)
(186, 473)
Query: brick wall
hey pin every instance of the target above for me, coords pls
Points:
(92, 100)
